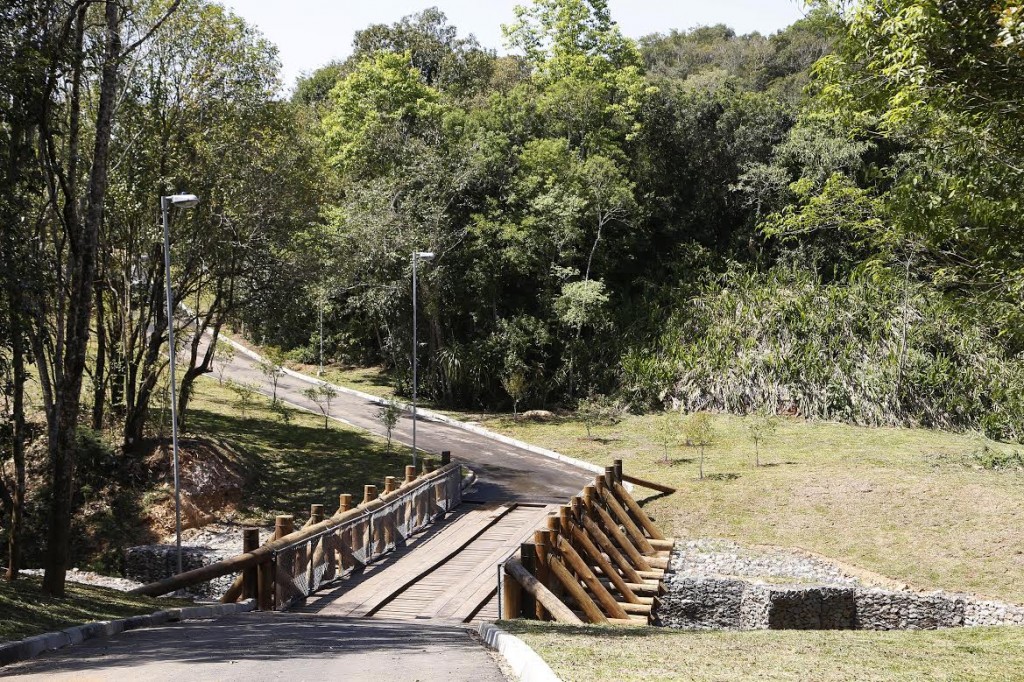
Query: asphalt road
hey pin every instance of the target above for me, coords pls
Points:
(504, 472)
(272, 647)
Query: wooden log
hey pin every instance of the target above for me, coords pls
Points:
(637, 535)
(552, 604)
(369, 493)
(604, 520)
(648, 484)
(651, 589)
(316, 513)
(410, 473)
(540, 540)
(390, 484)
(558, 569)
(658, 563)
(250, 542)
(599, 591)
(609, 548)
(637, 609)
(264, 586)
(344, 502)
(588, 546)
(235, 591)
(617, 468)
(446, 457)
(638, 513)
(663, 545)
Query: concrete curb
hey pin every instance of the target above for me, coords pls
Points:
(430, 415)
(524, 661)
(30, 647)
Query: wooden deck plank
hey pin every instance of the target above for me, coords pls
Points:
(368, 595)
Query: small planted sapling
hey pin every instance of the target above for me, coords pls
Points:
(515, 385)
(272, 367)
(762, 425)
(700, 433)
(322, 395)
(388, 415)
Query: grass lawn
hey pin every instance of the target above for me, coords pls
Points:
(292, 464)
(605, 654)
(25, 610)
(910, 504)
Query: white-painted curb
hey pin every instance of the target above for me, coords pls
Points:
(524, 661)
(430, 415)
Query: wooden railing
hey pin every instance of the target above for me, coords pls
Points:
(295, 563)
(601, 560)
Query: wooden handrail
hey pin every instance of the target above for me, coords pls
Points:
(264, 553)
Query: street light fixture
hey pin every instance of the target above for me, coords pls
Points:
(182, 201)
(416, 257)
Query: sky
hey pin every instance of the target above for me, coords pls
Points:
(310, 33)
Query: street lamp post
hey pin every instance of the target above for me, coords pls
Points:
(166, 202)
(416, 257)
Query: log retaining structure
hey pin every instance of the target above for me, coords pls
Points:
(601, 560)
(296, 563)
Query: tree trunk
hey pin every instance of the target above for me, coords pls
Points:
(82, 254)
(17, 437)
(99, 380)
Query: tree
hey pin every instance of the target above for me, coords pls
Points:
(598, 410)
(246, 392)
(224, 355)
(516, 385)
(388, 415)
(322, 395)
(667, 431)
(700, 432)
(762, 425)
(271, 366)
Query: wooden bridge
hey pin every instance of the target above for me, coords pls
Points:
(419, 553)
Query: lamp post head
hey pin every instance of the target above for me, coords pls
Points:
(425, 255)
(182, 200)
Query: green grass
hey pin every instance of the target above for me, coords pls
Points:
(25, 610)
(605, 654)
(294, 464)
(911, 504)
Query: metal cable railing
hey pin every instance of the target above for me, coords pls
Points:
(303, 567)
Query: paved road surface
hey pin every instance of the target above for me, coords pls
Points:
(505, 472)
(272, 647)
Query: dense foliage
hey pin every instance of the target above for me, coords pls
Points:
(822, 221)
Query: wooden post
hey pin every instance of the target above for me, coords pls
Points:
(389, 484)
(609, 477)
(528, 557)
(284, 525)
(446, 457)
(369, 493)
(638, 513)
(511, 597)
(410, 473)
(601, 594)
(250, 541)
(265, 586)
(552, 604)
(540, 541)
(617, 466)
(590, 609)
(428, 466)
(344, 502)
(316, 513)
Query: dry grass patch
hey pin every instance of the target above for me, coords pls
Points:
(601, 654)
(912, 504)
